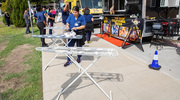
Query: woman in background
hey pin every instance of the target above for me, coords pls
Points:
(89, 24)
(54, 13)
(27, 21)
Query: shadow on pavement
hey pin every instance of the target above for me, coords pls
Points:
(178, 50)
(75, 57)
(71, 88)
(100, 77)
(97, 76)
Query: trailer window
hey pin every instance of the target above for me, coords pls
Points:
(153, 3)
(107, 5)
(132, 1)
(91, 3)
(119, 5)
(78, 4)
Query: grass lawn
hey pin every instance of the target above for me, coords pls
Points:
(29, 80)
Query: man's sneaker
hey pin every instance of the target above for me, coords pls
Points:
(79, 60)
(67, 63)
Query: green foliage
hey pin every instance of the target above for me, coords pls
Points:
(19, 6)
(3, 7)
(43, 1)
(2, 0)
(9, 6)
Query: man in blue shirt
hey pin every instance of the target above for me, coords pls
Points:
(44, 13)
(41, 24)
(77, 23)
(65, 13)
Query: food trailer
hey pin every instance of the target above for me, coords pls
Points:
(119, 17)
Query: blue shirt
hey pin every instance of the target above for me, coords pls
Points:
(65, 15)
(76, 23)
(40, 16)
(88, 18)
(43, 14)
(50, 14)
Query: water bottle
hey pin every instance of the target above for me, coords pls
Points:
(49, 24)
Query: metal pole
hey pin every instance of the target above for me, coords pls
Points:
(179, 8)
(0, 12)
(30, 17)
(144, 9)
(144, 18)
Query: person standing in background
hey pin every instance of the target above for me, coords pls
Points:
(65, 15)
(27, 21)
(50, 20)
(89, 24)
(35, 15)
(54, 13)
(41, 24)
(7, 17)
(45, 14)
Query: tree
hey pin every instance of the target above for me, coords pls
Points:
(2, 0)
(3, 7)
(18, 8)
(8, 9)
(42, 1)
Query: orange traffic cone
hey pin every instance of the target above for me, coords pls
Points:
(154, 64)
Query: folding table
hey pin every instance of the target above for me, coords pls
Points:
(69, 51)
(57, 37)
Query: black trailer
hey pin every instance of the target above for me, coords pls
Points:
(146, 12)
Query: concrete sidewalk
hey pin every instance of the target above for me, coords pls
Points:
(128, 78)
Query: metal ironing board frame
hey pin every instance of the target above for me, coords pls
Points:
(57, 37)
(70, 50)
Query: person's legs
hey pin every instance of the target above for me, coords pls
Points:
(27, 28)
(50, 31)
(7, 21)
(44, 30)
(71, 44)
(79, 56)
(41, 28)
(88, 36)
(54, 17)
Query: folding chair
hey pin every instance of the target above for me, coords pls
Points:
(157, 31)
